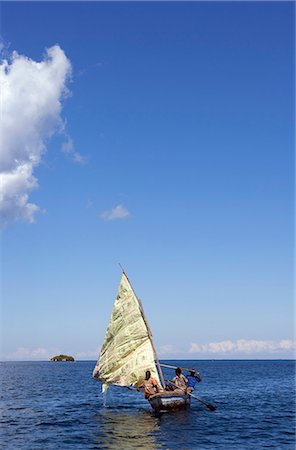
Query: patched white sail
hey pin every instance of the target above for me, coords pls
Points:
(127, 351)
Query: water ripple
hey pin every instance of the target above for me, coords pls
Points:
(59, 406)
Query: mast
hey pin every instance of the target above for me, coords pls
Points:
(149, 331)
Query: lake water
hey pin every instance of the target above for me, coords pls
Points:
(60, 406)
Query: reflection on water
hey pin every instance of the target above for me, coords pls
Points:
(127, 428)
(127, 421)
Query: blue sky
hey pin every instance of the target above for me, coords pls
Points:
(181, 116)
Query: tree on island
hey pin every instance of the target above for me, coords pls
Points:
(62, 358)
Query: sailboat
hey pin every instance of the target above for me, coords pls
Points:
(128, 351)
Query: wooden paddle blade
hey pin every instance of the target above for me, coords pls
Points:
(211, 407)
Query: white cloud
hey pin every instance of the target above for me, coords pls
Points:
(168, 349)
(69, 149)
(25, 353)
(287, 344)
(243, 346)
(79, 159)
(31, 103)
(40, 353)
(21, 352)
(119, 212)
(88, 354)
(68, 145)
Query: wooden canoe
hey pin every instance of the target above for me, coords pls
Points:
(169, 401)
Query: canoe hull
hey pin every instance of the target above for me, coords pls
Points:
(172, 402)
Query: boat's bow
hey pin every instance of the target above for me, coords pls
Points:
(169, 401)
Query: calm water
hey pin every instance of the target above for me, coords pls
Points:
(59, 406)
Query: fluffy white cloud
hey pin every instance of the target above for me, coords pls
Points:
(88, 354)
(119, 212)
(168, 349)
(31, 103)
(24, 353)
(287, 344)
(243, 346)
(40, 353)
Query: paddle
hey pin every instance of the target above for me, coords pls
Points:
(175, 367)
(210, 406)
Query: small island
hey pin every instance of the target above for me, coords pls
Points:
(62, 358)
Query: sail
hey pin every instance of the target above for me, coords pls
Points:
(127, 352)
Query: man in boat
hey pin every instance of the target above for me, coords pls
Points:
(180, 382)
(193, 378)
(150, 385)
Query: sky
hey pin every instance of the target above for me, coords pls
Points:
(160, 136)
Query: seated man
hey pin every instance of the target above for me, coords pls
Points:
(180, 382)
(193, 378)
(150, 385)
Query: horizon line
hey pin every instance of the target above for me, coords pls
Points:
(162, 359)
